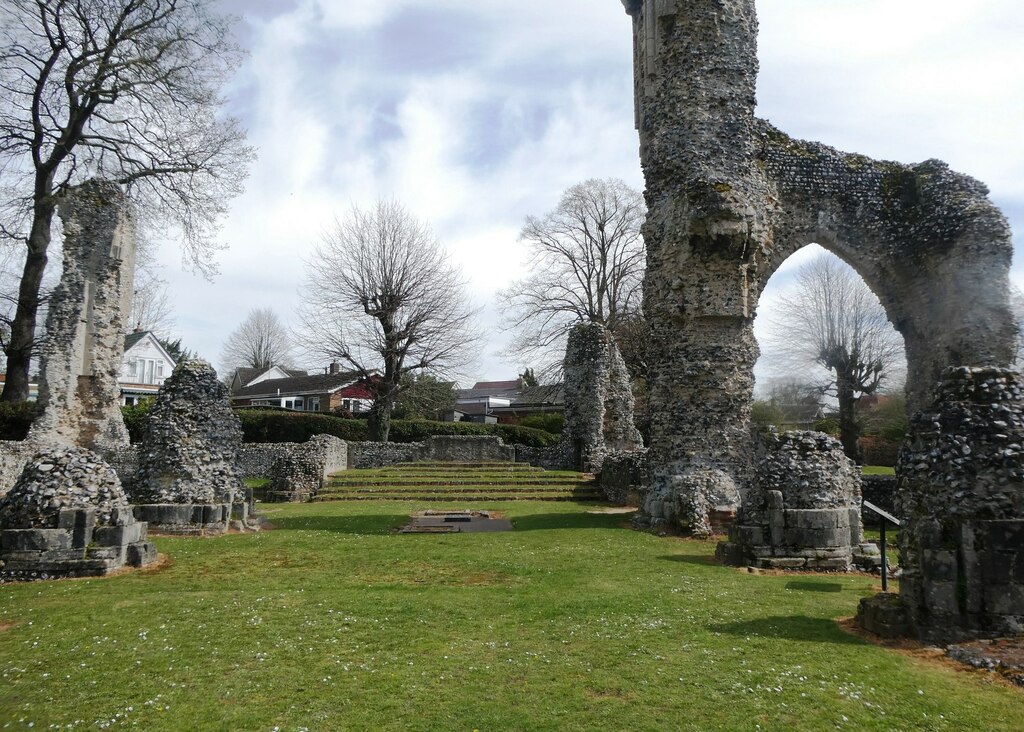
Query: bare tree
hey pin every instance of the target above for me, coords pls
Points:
(382, 296)
(126, 90)
(832, 319)
(587, 266)
(151, 306)
(261, 341)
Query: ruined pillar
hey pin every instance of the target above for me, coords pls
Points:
(961, 495)
(708, 214)
(598, 398)
(84, 346)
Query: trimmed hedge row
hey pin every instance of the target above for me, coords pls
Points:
(15, 419)
(275, 426)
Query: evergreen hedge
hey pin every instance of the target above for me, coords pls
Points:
(15, 419)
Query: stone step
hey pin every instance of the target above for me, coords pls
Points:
(494, 496)
(441, 481)
(372, 490)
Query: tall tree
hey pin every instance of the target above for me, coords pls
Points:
(261, 341)
(832, 319)
(126, 90)
(587, 266)
(382, 296)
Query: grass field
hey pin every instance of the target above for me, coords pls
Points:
(331, 622)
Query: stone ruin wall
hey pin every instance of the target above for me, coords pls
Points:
(729, 199)
(598, 399)
(84, 347)
(961, 494)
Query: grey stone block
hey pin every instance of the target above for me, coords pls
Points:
(141, 553)
(35, 540)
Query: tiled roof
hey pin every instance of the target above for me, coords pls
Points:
(316, 384)
(514, 384)
(132, 338)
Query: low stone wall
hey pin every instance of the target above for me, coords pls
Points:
(555, 457)
(256, 459)
(299, 473)
(381, 454)
(465, 449)
(625, 477)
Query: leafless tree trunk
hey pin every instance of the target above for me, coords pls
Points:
(832, 319)
(126, 90)
(382, 296)
(588, 266)
(261, 341)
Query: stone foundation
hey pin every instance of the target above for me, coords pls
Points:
(803, 511)
(885, 615)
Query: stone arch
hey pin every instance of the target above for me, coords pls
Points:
(729, 198)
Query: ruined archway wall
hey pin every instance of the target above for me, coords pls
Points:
(926, 239)
(710, 212)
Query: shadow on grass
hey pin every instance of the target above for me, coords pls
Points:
(368, 524)
(797, 627)
(549, 521)
(704, 560)
(812, 586)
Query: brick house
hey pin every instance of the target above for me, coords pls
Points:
(333, 391)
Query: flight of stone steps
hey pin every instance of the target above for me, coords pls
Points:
(460, 482)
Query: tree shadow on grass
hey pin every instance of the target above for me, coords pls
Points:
(704, 560)
(796, 627)
(367, 524)
(549, 521)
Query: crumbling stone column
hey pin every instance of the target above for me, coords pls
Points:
(961, 497)
(598, 398)
(709, 212)
(67, 516)
(188, 480)
(802, 511)
(84, 346)
(729, 199)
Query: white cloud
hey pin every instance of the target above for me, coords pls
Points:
(539, 98)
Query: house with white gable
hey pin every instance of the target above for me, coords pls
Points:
(144, 367)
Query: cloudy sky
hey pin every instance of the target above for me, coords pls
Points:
(476, 113)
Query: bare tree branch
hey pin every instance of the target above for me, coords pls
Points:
(261, 341)
(587, 265)
(832, 319)
(382, 297)
(127, 90)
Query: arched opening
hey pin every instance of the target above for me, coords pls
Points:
(830, 357)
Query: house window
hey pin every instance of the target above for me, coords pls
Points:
(346, 404)
(313, 405)
(133, 367)
(295, 403)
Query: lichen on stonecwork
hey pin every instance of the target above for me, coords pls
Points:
(60, 479)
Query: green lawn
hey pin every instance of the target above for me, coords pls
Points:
(570, 622)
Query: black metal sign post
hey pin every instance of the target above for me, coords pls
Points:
(886, 518)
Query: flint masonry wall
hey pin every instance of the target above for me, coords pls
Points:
(961, 494)
(729, 199)
(598, 398)
(82, 353)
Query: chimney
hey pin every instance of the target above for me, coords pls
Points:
(335, 367)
